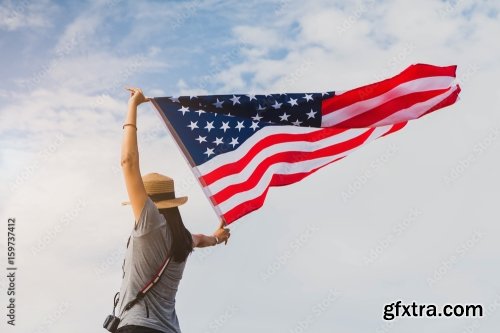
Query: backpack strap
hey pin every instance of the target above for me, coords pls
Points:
(147, 287)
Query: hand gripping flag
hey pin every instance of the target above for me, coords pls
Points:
(240, 145)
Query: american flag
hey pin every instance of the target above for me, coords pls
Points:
(240, 145)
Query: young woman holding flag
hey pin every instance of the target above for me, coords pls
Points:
(159, 243)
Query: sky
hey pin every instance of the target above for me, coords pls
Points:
(411, 217)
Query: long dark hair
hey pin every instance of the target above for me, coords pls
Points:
(182, 244)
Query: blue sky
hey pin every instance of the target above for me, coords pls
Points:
(412, 216)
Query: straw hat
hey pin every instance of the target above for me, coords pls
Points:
(160, 189)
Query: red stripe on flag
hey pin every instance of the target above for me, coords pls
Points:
(277, 180)
(290, 157)
(382, 111)
(395, 128)
(445, 102)
(237, 166)
(375, 89)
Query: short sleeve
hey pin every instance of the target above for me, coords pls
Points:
(149, 220)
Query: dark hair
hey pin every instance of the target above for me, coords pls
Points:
(182, 244)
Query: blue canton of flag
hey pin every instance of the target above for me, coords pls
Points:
(215, 124)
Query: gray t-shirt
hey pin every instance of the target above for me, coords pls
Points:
(148, 246)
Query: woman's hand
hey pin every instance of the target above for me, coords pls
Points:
(136, 97)
(222, 234)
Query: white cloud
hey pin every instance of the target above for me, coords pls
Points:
(257, 36)
(185, 90)
(15, 15)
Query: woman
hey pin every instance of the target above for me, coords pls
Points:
(158, 233)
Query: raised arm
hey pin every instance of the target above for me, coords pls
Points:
(130, 154)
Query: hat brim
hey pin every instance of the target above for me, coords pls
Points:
(163, 204)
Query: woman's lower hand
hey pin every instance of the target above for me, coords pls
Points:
(222, 235)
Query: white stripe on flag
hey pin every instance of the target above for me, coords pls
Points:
(237, 154)
(277, 168)
(287, 168)
(298, 146)
(418, 85)
(416, 110)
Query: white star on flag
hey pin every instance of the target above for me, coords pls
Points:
(276, 105)
(254, 125)
(210, 151)
(284, 117)
(292, 101)
(218, 104)
(308, 97)
(239, 126)
(193, 125)
(311, 114)
(210, 125)
(184, 109)
(201, 139)
(234, 142)
(218, 141)
(257, 117)
(235, 99)
(225, 126)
